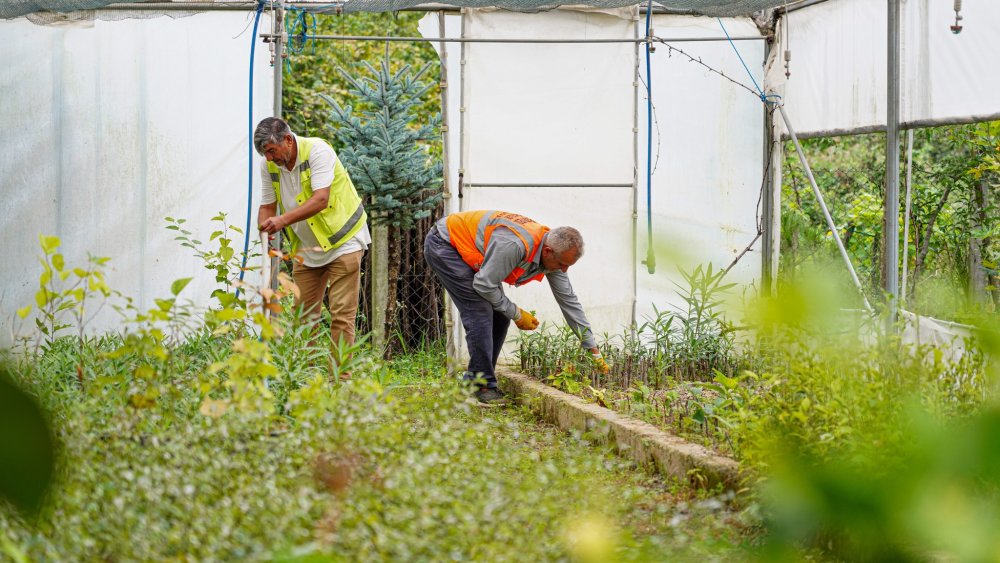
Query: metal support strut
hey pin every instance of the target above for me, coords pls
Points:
(822, 205)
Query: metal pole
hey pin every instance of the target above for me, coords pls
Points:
(523, 40)
(442, 49)
(451, 349)
(903, 125)
(635, 180)
(822, 205)
(279, 59)
(543, 185)
(767, 260)
(891, 232)
(181, 6)
(461, 120)
(802, 4)
(906, 215)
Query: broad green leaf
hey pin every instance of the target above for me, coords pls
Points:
(230, 314)
(58, 262)
(49, 243)
(178, 286)
(42, 298)
(24, 311)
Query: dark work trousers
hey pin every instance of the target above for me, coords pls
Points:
(485, 329)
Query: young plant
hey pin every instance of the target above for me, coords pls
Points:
(62, 292)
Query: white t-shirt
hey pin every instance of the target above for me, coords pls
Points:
(322, 160)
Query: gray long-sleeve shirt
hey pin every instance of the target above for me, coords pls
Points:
(505, 252)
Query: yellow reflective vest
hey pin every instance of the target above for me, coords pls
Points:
(344, 214)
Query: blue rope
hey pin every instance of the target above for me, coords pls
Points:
(298, 26)
(763, 97)
(246, 240)
(752, 79)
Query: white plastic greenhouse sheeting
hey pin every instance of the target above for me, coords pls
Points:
(109, 129)
(708, 159)
(838, 67)
(564, 114)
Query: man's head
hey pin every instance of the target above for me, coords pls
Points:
(563, 247)
(273, 140)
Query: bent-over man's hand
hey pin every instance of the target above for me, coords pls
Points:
(272, 225)
(599, 363)
(526, 321)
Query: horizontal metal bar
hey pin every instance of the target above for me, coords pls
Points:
(800, 5)
(439, 7)
(182, 6)
(524, 40)
(315, 7)
(903, 125)
(544, 185)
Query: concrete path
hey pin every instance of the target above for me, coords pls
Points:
(641, 441)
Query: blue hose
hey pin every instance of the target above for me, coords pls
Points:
(246, 231)
(650, 256)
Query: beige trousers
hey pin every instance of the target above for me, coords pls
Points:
(343, 276)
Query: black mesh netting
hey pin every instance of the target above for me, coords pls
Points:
(16, 8)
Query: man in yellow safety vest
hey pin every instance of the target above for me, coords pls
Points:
(306, 189)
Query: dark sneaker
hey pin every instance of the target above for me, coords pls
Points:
(490, 397)
(473, 379)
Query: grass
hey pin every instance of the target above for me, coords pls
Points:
(393, 465)
(235, 439)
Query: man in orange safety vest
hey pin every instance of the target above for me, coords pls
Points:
(472, 252)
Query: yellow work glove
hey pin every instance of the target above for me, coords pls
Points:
(599, 363)
(526, 321)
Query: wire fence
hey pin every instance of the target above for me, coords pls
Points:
(415, 317)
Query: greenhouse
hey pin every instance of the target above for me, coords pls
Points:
(783, 325)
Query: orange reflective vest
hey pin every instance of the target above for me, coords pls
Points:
(470, 231)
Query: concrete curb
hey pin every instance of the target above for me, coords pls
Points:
(642, 442)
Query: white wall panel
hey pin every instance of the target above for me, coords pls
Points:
(708, 145)
(548, 113)
(117, 126)
(838, 68)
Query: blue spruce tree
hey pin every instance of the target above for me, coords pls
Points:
(383, 148)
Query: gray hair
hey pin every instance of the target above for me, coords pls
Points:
(270, 131)
(562, 239)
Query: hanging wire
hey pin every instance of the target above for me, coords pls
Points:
(760, 200)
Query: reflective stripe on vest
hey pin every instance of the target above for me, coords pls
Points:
(344, 214)
(470, 231)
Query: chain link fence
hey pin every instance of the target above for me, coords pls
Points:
(416, 319)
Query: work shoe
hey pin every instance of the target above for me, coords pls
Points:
(490, 397)
(471, 379)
